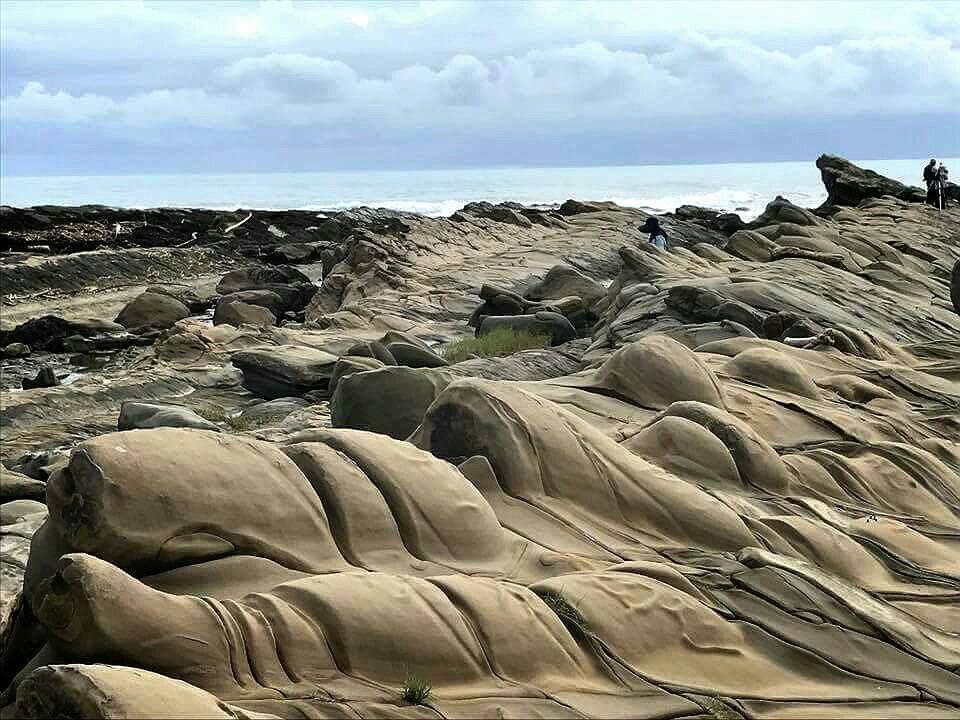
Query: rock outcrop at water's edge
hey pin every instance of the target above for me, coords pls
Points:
(730, 488)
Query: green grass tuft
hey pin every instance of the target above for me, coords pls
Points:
(719, 710)
(567, 613)
(415, 690)
(497, 343)
(234, 423)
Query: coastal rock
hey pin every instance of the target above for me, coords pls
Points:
(848, 184)
(237, 313)
(414, 356)
(257, 277)
(49, 331)
(563, 281)
(373, 349)
(390, 400)
(556, 326)
(285, 371)
(15, 486)
(577, 207)
(15, 350)
(141, 415)
(152, 311)
(264, 298)
(46, 378)
(292, 253)
(350, 365)
(955, 286)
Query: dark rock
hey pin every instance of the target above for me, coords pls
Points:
(14, 486)
(285, 371)
(46, 378)
(292, 253)
(49, 331)
(556, 326)
(390, 401)
(414, 356)
(695, 212)
(152, 310)
(507, 215)
(727, 223)
(350, 365)
(141, 415)
(255, 278)
(372, 349)
(848, 184)
(239, 313)
(15, 350)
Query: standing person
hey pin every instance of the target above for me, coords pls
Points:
(930, 172)
(657, 234)
(941, 183)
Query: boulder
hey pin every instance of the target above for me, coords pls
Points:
(285, 371)
(15, 350)
(45, 378)
(264, 298)
(372, 349)
(848, 184)
(194, 301)
(563, 281)
(414, 356)
(49, 331)
(142, 415)
(556, 326)
(252, 278)
(350, 365)
(507, 215)
(292, 253)
(15, 511)
(239, 313)
(15, 486)
(152, 310)
(695, 212)
(390, 401)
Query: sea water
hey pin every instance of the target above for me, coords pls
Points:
(744, 188)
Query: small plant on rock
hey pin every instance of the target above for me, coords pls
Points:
(415, 690)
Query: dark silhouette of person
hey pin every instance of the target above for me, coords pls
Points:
(657, 234)
(930, 172)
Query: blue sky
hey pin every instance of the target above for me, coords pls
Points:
(116, 87)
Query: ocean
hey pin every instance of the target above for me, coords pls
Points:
(744, 188)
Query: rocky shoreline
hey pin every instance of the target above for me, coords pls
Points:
(247, 482)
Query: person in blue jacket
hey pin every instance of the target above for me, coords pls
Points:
(657, 234)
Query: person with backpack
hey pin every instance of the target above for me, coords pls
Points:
(657, 234)
(929, 172)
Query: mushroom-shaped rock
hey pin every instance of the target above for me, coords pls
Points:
(552, 324)
(562, 281)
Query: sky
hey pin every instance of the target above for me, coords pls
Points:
(144, 87)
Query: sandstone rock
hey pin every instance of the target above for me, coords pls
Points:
(152, 310)
(563, 281)
(350, 365)
(390, 400)
(577, 207)
(15, 511)
(292, 253)
(264, 298)
(955, 286)
(272, 411)
(285, 371)
(414, 356)
(237, 313)
(15, 350)
(253, 278)
(373, 349)
(196, 303)
(15, 486)
(142, 415)
(541, 323)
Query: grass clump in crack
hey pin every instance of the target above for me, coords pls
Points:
(415, 690)
(234, 423)
(496, 343)
(568, 613)
(720, 710)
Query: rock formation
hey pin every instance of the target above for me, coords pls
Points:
(731, 488)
